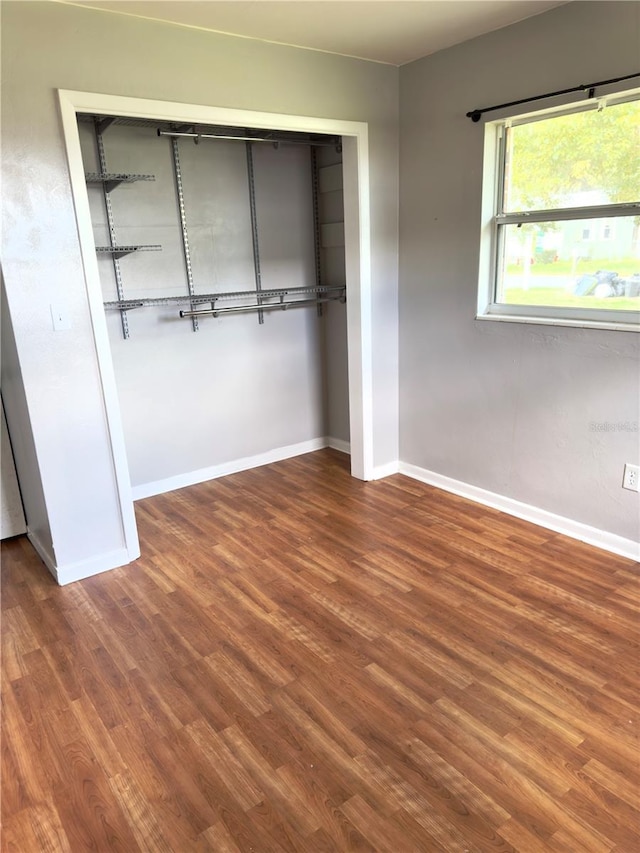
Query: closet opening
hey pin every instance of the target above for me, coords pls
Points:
(227, 273)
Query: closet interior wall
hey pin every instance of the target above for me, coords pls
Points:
(235, 388)
(12, 521)
(332, 272)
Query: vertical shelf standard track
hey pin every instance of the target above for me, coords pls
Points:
(183, 224)
(316, 221)
(254, 226)
(102, 160)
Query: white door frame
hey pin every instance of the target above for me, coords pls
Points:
(357, 258)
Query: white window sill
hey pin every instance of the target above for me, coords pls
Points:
(562, 321)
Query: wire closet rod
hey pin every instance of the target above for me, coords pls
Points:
(273, 140)
(274, 306)
(475, 115)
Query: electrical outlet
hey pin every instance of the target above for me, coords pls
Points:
(631, 478)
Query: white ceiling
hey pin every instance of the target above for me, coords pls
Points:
(391, 31)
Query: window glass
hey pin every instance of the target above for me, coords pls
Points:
(576, 160)
(563, 264)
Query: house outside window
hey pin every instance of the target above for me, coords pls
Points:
(562, 231)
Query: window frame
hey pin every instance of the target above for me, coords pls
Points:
(494, 220)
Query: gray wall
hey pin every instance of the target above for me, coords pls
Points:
(506, 407)
(48, 46)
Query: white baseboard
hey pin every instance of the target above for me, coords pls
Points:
(159, 487)
(549, 520)
(382, 471)
(83, 568)
(558, 523)
(43, 552)
(379, 471)
(338, 444)
(95, 566)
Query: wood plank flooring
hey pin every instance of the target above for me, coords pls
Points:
(304, 662)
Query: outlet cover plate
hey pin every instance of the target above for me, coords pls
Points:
(631, 478)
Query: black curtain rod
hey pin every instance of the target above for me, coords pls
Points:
(474, 115)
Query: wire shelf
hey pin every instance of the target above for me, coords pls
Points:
(202, 298)
(121, 251)
(111, 180)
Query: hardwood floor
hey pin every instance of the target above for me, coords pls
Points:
(304, 662)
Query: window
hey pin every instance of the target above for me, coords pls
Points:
(560, 182)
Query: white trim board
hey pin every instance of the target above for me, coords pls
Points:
(549, 520)
(82, 569)
(43, 553)
(181, 481)
(94, 566)
(339, 444)
(191, 478)
(388, 470)
(379, 471)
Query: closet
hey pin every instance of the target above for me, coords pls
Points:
(221, 259)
